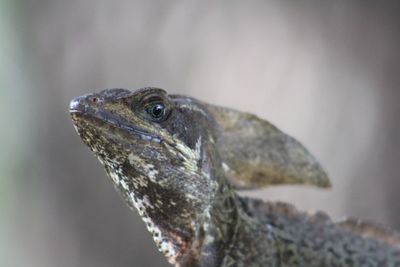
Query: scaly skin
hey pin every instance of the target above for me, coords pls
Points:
(162, 154)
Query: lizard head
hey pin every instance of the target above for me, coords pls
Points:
(159, 151)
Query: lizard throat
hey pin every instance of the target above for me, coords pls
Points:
(171, 242)
(171, 249)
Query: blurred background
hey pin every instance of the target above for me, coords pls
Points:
(325, 72)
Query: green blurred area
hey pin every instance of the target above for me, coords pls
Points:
(16, 132)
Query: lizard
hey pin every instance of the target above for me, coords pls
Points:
(180, 163)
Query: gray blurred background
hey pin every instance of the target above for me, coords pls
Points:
(328, 73)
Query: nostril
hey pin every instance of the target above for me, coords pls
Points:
(94, 99)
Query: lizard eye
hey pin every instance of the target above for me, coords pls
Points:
(157, 111)
(153, 106)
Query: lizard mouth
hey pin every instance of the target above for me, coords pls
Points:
(99, 118)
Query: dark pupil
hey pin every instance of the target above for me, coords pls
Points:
(157, 110)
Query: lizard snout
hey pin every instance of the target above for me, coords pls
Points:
(81, 103)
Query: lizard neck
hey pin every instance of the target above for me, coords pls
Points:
(225, 233)
(264, 248)
(215, 231)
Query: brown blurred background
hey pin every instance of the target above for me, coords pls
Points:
(328, 73)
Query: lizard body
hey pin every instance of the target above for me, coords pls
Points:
(178, 161)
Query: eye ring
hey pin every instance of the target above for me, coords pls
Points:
(156, 111)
